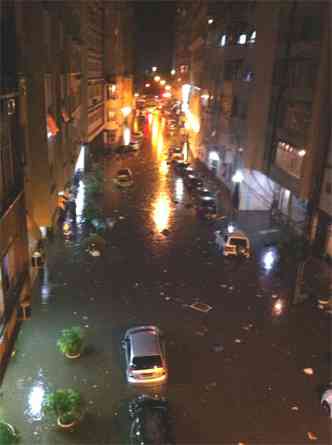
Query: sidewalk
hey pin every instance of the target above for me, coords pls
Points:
(264, 233)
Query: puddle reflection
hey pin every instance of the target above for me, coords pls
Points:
(161, 211)
(35, 398)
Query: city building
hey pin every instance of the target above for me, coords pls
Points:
(118, 59)
(263, 128)
(14, 258)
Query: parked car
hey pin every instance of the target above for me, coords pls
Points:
(234, 243)
(206, 208)
(203, 192)
(124, 149)
(188, 171)
(145, 355)
(326, 401)
(150, 421)
(124, 178)
(192, 182)
(180, 166)
(137, 135)
(135, 145)
(175, 149)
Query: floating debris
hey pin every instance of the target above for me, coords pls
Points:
(218, 348)
(201, 307)
(312, 436)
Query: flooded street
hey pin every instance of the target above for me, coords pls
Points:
(236, 349)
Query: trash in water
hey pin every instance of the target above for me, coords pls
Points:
(202, 307)
(312, 436)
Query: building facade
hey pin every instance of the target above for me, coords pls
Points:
(14, 258)
(259, 103)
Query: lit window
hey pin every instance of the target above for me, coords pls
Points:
(242, 39)
(253, 37)
(223, 40)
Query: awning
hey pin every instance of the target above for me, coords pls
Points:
(51, 125)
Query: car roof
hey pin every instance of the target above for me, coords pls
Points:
(237, 234)
(124, 171)
(145, 341)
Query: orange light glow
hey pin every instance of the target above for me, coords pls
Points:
(161, 211)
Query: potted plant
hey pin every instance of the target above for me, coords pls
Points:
(8, 434)
(70, 342)
(66, 404)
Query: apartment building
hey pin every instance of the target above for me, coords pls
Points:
(260, 82)
(14, 259)
(118, 70)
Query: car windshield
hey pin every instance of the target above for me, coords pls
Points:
(147, 362)
(240, 242)
(123, 173)
(207, 203)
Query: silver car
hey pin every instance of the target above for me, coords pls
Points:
(145, 355)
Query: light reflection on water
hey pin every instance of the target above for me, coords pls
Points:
(35, 398)
(179, 189)
(45, 287)
(161, 211)
(80, 197)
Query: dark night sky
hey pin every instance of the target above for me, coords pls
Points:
(153, 38)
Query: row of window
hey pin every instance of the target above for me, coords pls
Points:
(10, 161)
(238, 39)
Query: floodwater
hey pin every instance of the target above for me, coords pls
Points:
(236, 349)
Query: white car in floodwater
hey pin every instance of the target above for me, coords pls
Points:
(124, 178)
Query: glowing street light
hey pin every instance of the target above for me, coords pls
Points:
(173, 72)
(156, 78)
(136, 94)
(147, 85)
(210, 21)
(238, 177)
(168, 87)
(154, 69)
(162, 82)
(126, 111)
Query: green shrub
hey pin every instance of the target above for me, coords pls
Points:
(71, 341)
(66, 404)
(8, 434)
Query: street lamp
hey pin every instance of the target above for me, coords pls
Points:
(237, 178)
(147, 85)
(173, 72)
(162, 82)
(156, 78)
(154, 69)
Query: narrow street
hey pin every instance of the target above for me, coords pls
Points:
(236, 372)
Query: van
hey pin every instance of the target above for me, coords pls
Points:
(234, 243)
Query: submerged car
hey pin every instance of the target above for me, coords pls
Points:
(124, 178)
(203, 192)
(193, 182)
(145, 355)
(150, 421)
(326, 401)
(235, 243)
(206, 208)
